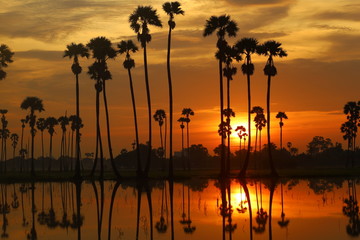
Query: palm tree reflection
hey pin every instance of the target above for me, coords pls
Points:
(283, 223)
(261, 214)
(188, 228)
(161, 225)
(351, 210)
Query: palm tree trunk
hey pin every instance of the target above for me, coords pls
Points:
(188, 145)
(32, 152)
(280, 137)
(182, 148)
(50, 153)
(108, 132)
(161, 139)
(222, 149)
(246, 163)
(147, 166)
(111, 207)
(42, 151)
(272, 167)
(22, 146)
(97, 131)
(228, 137)
(72, 151)
(139, 167)
(171, 170)
(77, 143)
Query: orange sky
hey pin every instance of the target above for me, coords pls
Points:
(313, 83)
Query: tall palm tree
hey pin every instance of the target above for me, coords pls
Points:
(281, 115)
(5, 58)
(140, 19)
(270, 49)
(4, 132)
(63, 122)
(76, 124)
(33, 104)
(247, 47)
(223, 26)
(102, 50)
(160, 117)
(41, 125)
(171, 9)
(352, 110)
(187, 112)
(182, 120)
(228, 113)
(75, 51)
(14, 141)
(51, 122)
(129, 63)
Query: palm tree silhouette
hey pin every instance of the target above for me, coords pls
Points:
(257, 110)
(171, 9)
(14, 141)
(75, 51)
(76, 123)
(283, 222)
(225, 130)
(182, 120)
(102, 51)
(41, 125)
(271, 49)
(241, 130)
(281, 115)
(51, 122)
(63, 122)
(161, 225)
(140, 19)
(352, 110)
(224, 26)
(127, 47)
(187, 112)
(4, 134)
(22, 150)
(5, 58)
(160, 117)
(113, 194)
(33, 104)
(247, 47)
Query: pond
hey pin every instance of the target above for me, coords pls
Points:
(192, 209)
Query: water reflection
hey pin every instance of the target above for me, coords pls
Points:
(193, 209)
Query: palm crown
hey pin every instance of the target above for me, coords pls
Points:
(139, 21)
(247, 46)
(5, 58)
(172, 8)
(159, 116)
(51, 122)
(271, 49)
(74, 51)
(127, 47)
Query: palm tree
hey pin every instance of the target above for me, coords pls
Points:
(102, 51)
(260, 124)
(127, 47)
(4, 134)
(51, 122)
(171, 9)
(241, 130)
(257, 110)
(247, 47)
(75, 51)
(5, 58)
(160, 117)
(228, 113)
(33, 104)
(182, 120)
(187, 112)
(281, 115)
(41, 125)
(271, 49)
(14, 141)
(22, 150)
(352, 110)
(140, 19)
(224, 26)
(63, 121)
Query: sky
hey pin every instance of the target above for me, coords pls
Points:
(319, 76)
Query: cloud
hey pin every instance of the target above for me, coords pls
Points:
(41, 55)
(257, 2)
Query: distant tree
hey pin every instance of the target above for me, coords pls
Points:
(318, 145)
(63, 122)
(241, 130)
(259, 121)
(270, 49)
(293, 150)
(182, 120)
(5, 58)
(281, 116)
(41, 126)
(4, 132)
(51, 122)
(199, 153)
(140, 19)
(187, 112)
(160, 117)
(22, 150)
(129, 63)
(33, 104)
(352, 111)
(14, 141)
(75, 126)
(223, 26)
(171, 9)
(75, 51)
